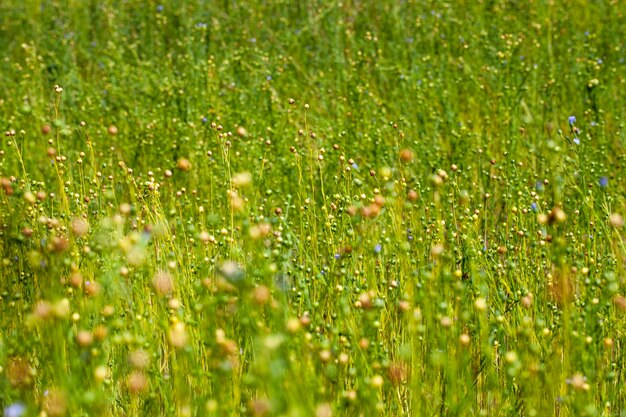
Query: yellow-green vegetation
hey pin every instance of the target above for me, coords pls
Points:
(312, 208)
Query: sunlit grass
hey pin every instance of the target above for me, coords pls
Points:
(312, 209)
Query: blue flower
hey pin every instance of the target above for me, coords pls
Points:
(571, 120)
(159, 8)
(14, 410)
(604, 182)
(204, 119)
(576, 141)
(337, 256)
(378, 248)
(533, 206)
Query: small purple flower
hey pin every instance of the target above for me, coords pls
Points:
(159, 8)
(145, 235)
(576, 140)
(204, 119)
(337, 256)
(15, 410)
(378, 248)
(604, 182)
(268, 78)
(355, 166)
(533, 206)
(571, 120)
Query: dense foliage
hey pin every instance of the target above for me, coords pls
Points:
(279, 208)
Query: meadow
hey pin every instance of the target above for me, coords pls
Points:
(283, 208)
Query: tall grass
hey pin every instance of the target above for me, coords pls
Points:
(312, 209)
